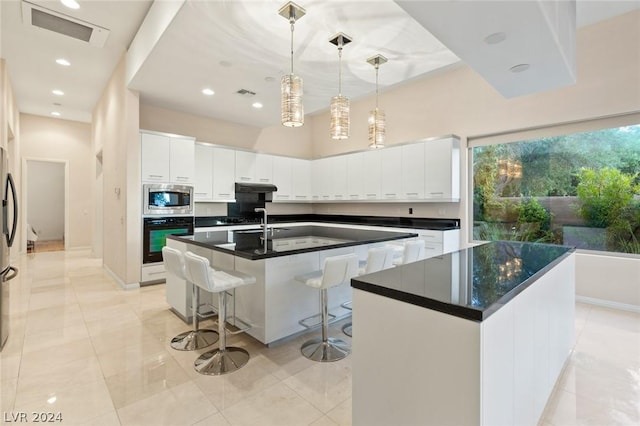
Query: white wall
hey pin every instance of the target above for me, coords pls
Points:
(45, 199)
(609, 280)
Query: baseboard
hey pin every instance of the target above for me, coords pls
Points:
(119, 281)
(78, 248)
(608, 304)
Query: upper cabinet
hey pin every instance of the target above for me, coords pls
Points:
(224, 184)
(301, 179)
(203, 184)
(166, 159)
(442, 169)
(283, 178)
(391, 174)
(413, 171)
(252, 167)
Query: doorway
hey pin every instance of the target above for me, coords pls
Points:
(45, 207)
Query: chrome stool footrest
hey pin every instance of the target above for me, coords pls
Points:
(325, 350)
(303, 322)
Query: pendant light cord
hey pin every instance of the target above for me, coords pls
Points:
(340, 70)
(377, 86)
(292, 20)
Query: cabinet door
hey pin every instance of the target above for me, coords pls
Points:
(264, 168)
(355, 176)
(322, 182)
(203, 183)
(337, 174)
(245, 166)
(282, 169)
(155, 153)
(224, 188)
(442, 169)
(182, 160)
(391, 174)
(371, 163)
(413, 171)
(301, 179)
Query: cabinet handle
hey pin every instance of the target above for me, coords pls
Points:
(437, 193)
(412, 193)
(200, 193)
(428, 236)
(354, 196)
(389, 195)
(182, 177)
(301, 197)
(155, 176)
(429, 248)
(326, 197)
(264, 179)
(245, 178)
(337, 196)
(224, 195)
(155, 273)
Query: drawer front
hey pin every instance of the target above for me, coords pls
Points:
(153, 273)
(430, 236)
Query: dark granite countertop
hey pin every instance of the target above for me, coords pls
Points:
(390, 221)
(471, 283)
(249, 243)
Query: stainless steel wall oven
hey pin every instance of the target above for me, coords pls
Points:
(155, 231)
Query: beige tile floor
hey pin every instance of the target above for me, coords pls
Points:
(83, 347)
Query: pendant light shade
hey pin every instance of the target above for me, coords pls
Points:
(292, 108)
(377, 119)
(292, 113)
(376, 128)
(339, 110)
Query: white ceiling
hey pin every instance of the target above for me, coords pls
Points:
(229, 45)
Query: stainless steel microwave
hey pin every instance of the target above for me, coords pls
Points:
(167, 200)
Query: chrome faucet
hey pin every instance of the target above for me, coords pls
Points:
(264, 222)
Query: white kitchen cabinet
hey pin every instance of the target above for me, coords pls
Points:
(181, 160)
(264, 168)
(203, 183)
(371, 162)
(355, 176)
(322, 185)
(155, 154)
(252, 167)
(282, 178)
(391, 174)
(412, 171)
(166, 159)
(336, 173)
(224, 188)
(301, 179)
(442, 169)
(245, 170)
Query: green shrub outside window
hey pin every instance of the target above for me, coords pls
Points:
(581, 189)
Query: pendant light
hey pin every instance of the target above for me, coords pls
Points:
(376, 117)
(291, 84)
(340, 104)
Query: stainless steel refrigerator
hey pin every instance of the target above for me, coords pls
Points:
(8, 212)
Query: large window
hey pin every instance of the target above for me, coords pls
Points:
(580, 189)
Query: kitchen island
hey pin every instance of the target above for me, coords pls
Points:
(277, 302)
(474, 337)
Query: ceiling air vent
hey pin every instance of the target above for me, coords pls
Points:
(40, 17)
(245, 92)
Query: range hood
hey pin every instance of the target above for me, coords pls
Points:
(255, 188)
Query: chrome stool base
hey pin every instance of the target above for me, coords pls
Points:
(347, 329)
(217, 362)
(325, 351)
(194, 340)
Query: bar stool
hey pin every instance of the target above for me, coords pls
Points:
(378, 258)
(413, 251)
(195, 339)
(225, 359)
(337, 270)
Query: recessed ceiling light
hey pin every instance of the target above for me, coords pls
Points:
(207, 92)
(519, 68)
(57, 92)
(55, 114)
(495, 38)
(71, 4)
(269, 79)
(257, 105)
(63, 62)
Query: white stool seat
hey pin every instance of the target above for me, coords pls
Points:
(225, 359)
(413, 251)
(197, 338)
(337, 270)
